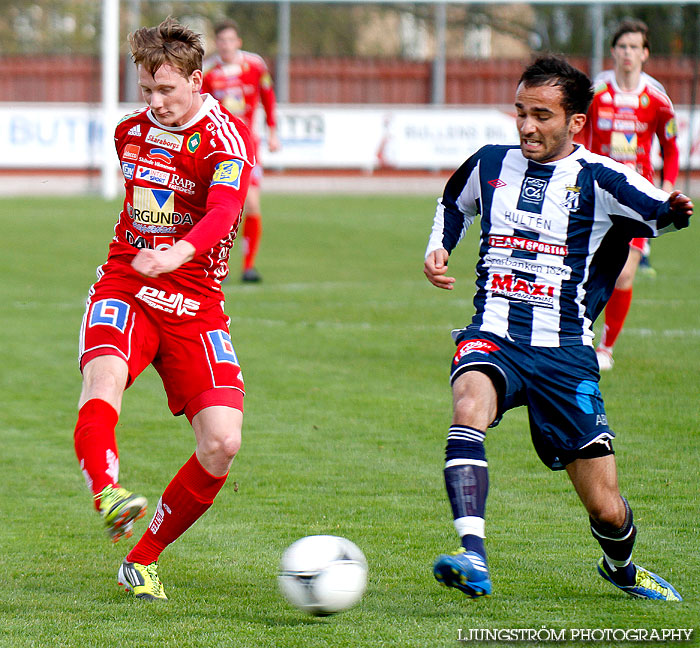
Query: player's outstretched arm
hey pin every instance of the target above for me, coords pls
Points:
(152, 263)
(435, 269)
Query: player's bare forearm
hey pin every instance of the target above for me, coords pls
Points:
(273, 140)
(435, 269)
(152, 263)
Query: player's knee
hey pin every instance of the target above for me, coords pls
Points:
(472, 411)
(610, 512)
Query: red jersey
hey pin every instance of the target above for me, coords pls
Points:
(240, 86)
(169, 173)
(621, 125)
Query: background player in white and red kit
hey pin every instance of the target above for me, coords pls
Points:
(241, 81)
(158, 300)
(630, 108)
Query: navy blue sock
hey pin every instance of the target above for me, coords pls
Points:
(467, 483)
(617, 545)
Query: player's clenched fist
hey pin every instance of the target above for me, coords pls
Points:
(435, 268)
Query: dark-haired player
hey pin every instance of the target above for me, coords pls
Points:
(556, 221)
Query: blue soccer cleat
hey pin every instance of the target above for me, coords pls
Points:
(465, 570)
(647, 585)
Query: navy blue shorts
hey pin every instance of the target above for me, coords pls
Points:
(559, 386)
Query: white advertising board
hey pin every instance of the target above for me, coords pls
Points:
(61, 136)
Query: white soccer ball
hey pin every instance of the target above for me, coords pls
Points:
(323, 574)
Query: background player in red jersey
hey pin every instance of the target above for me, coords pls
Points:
(158, 300)
(240, 81)
(628, 109)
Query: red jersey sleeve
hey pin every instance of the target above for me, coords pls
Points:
(267, 98)
(222, 218)
(666, 132)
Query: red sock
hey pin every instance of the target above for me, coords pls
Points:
(252, 231)
(185, 500)
(615, 315)
(96, 444)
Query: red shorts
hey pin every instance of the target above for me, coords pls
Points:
(641, 244)
(184, 336)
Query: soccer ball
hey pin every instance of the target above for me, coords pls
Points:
(323, 574)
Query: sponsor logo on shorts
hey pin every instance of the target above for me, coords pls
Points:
(165, 139)
(170, 303)
(228, 173)
(223, 347)
(110, 312)
(474, 346)
(590, 401)
(516, 289)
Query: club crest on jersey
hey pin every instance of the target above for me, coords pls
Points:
(228, 173)
(110, 312)
(572, 198)
(223, 347)
(165, 139)
(193, 142)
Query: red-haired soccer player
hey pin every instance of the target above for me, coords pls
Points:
(158, 300)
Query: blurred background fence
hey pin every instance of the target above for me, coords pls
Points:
(436, 78)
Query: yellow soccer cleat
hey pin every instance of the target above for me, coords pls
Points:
(119, 509)
(142, 580)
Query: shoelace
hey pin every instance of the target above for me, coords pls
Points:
(156, 585)
(648, 582)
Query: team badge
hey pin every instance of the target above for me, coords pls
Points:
(193, 142)
(223, 347)
(110, 312)
(572, 198)
(228, 173)
(671, 130)
(644, 100)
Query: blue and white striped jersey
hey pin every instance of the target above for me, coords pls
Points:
(554, 238)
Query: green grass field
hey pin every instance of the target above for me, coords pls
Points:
(345, 349)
